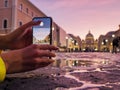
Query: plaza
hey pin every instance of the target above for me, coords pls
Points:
(14, 13)
(71, 71)
(80, 64)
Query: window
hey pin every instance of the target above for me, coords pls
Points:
(27, 10)
(5, 23)
(32, 14)
(21, 7)
(6, 3)
(20, 23)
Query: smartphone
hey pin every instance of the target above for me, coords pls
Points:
(42, 33)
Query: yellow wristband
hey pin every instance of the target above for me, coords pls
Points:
(2, 70)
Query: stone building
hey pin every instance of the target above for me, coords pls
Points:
(14, 13)
(73, 43)
(105, 41)
(89, 44)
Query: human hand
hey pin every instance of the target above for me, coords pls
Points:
(29, 58)
(19, 38)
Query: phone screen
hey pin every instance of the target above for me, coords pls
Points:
(42, 34)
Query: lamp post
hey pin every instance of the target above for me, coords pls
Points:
(53, 28)
(113, 36)
(66, 44)
(73, 48)
(107, 45)
(106, 40)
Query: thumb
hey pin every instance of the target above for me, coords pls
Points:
(22, 29)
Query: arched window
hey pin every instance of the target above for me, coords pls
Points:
(21, 7)
(20, 23)
(6, 3)
(32, 14)
(27, 10)
(5, 23)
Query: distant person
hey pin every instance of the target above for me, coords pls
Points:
(25, 56)
(116, 45)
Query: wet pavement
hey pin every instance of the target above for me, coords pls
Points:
(71, 71)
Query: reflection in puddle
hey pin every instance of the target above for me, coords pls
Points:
(87, 62)
(81, 64)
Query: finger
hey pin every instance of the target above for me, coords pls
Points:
(27, 38)
(44, 53)
(25, 33)
(19, 31)
(29, 24)
(34, 64)
(47, 47)
(43, 62)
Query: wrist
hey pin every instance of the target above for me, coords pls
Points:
(11, 58)
(4, 41)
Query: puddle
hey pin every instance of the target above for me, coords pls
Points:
(84, 64)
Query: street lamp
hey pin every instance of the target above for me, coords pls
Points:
(66, 37)
(73, 41)
(106, 40)
(102, 43)
(66, 43)
(77, 44)
(53, 28)
(107, 43)
(113, 35)
(73, 45)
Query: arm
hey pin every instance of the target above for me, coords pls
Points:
(28, 58)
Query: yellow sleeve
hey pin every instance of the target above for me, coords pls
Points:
(2, 70)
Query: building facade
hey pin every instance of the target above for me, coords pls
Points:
(105, 41)
(14, 13)
(89, 44)
(73, 43)
(59, 36)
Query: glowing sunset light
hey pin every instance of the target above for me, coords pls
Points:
(79, 16)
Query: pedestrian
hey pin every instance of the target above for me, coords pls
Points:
(23, 55)
(116, 45)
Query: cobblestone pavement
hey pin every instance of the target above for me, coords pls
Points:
(71, 71)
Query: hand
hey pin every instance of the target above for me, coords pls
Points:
(29, 58)
(19, 38)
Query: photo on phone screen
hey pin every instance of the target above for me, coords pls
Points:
(42, 34)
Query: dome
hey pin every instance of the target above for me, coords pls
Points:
(89, 35)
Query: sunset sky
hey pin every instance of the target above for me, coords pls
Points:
(79, 16)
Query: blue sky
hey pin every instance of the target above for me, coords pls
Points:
(41, 34)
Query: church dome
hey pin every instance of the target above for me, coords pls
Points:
(89, 35)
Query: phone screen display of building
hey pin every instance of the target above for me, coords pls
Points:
(41, 33)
